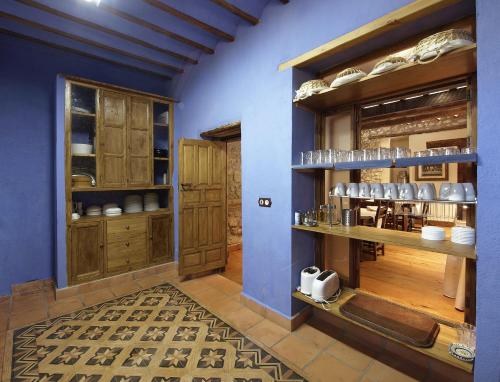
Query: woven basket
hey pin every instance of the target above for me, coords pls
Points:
(346, 76)
(387, 64)
(309, 88)
(431, 48)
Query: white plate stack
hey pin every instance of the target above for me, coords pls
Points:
(93, 211)
(433, 233)
(107, 206)
(114, 211)
(463, 235)
(133, 204)
(151, 202)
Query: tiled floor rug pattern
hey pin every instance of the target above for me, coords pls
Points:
(158, 335)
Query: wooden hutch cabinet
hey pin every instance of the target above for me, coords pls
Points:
(117, 144)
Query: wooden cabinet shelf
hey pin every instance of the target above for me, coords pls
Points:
(458, 63)
(161, 159)
(83, 114)
(97, 189)
(387, 236)
(439, 350)
(388, 163)
(83, 155)
(157, 124)
(85, 218)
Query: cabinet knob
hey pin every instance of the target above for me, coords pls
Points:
(101, 245)
(127, 227)
(127, 244)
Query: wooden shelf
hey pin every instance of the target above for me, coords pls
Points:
(460, 62)
(125, 215)
(157, 124)
(98, 189)
(438, 351)
(388, 163)
(388, 236)
(83, 114)
(83, 155)
(410, 200)
(161, 159)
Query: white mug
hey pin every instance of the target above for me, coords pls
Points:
(364, 190)
(406, 192)
(376, 191)
(415, 190)
(427, 191)
(470, 194)
(457, 193)
(391, 191)
(444, 191)
(352, 190)
(339, 189)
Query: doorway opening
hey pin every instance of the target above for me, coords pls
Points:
(231, 135)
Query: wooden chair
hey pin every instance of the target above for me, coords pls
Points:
(369, 249)
(419, 221)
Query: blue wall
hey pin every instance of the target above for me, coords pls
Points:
(27, 122)
(487, 366)
(241, 82)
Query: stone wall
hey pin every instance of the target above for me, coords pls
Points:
(234, 192)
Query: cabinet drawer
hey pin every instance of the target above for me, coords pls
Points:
(127, 225)
(123, 254)
(124, 236)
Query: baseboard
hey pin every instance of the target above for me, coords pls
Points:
(285, 322)
(234, 247)
(113, 280)
(33, 286)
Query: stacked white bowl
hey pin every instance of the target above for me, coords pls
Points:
(463, 235)
(113, 211)
(433, 233)
(151, 202)
(93, 211)
(133, 204)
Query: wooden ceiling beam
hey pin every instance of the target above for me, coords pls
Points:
(156, 28)
(99, 27)
(190, 19)
(82, 53)
(237, 11)
(86, 41)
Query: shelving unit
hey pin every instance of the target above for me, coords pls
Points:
(388, 236)
(439, 350)
(125, 215)
(460, 62)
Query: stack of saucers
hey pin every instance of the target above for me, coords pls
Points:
(433, 233)
(133, 204)
(151, 202)
(115, 211)
(108, 206)
(93, 211)
(463, 235)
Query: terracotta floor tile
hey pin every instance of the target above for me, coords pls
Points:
(350, 356)
(225, 306)
(297, 350)
(150, 281)
(64, 306)
(224, 285)
(319, 339)
(27, 317)
(326, 368)
(193, 286)
(243, 319)
(207, 296)
(380, 372)
(125, 288)
(93, 298)
(23, 303)
(267, 332)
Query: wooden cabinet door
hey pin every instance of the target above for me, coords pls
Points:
(202, 206)
(112, 139)
(139, 145)
(160, 238)
(86, 252)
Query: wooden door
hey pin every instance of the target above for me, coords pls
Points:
(160, 238)
(139, 150)
(202, 206)
(86, 252)
(112, 139)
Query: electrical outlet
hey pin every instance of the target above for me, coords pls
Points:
(265, 202)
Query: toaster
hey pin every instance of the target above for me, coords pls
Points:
(325, 285)
(307, 277)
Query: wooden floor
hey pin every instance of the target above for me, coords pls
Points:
(234, 265)
(410, 277)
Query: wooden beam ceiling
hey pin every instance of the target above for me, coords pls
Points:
(86, 41)
(155, 28)
(90, 24)
(81, 53)
(237, 11)
(190, 19)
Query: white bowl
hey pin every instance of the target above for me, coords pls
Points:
(81, 148)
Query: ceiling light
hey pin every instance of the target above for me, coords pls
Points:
(389, 102)
(455, 115)
(96, 2)
(461, 87)
(417, 96)
(369, 107)
(438, 91)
